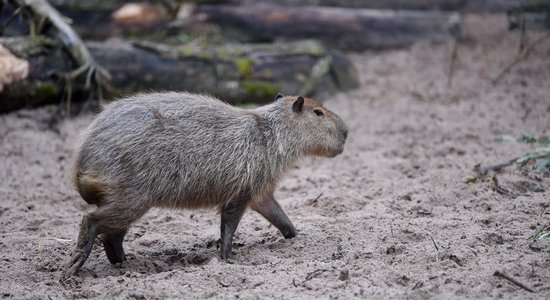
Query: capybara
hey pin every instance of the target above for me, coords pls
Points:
(181, 150)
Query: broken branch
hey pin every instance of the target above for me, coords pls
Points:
(512, 280)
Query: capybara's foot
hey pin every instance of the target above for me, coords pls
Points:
(77, 260)
(289, 232)
(272, 211)
(225, 253)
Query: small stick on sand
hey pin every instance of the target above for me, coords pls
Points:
(317, 198)
(512, 280)
(418, 285)
(436, 248)
(313, 274)
(484, 170)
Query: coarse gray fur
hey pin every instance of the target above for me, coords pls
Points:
(182, 150)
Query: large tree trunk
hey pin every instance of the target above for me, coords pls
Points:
(354, 29)
(235, 73)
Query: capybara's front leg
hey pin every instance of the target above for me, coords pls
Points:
(272, 211)
(231, 216)
(89, 229)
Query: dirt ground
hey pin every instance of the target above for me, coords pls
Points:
(392, 217)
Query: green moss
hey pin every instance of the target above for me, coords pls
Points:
(47, 89)
(244, 66)
(186, 51)
(267, 74)
(190, 51)
(261, 89)
(180, 39)
(232, 52)
(25, 47)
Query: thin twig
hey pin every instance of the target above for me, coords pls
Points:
(314, 201)
(454, 55)
(512, 280)
(519, 58)
(522, 32)
(311, 275)
(10, 19)
(418, 285)
(484, 170)
(435, 245)
(317, 198)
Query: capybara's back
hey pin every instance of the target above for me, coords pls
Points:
(173, 150)
(181, 150)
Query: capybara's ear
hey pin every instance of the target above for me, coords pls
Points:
(279, 96)
(298, 104)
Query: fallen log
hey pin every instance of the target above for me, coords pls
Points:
(38, 86)
(504, 5)
(43, 19)
(344, 28)
(235, 73)
(349, 29)
(471, 6)
(529, 20)
(531, 16)
(360, 28)
(371, 4)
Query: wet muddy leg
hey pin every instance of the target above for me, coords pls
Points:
(231, 216)
(89, 230)
(112, 242)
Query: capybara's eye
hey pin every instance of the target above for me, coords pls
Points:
(318, 112)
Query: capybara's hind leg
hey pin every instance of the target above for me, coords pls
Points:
(89, 229)
(112, 242)
(115, 219)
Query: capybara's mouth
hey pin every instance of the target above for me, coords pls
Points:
(343, 139)
(338, 151)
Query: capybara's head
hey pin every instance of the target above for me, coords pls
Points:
(318, 131)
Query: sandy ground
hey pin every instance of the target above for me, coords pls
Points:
(392, 217)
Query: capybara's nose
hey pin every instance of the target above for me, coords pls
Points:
(345, 133)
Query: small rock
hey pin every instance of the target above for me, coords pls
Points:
(344, 275)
